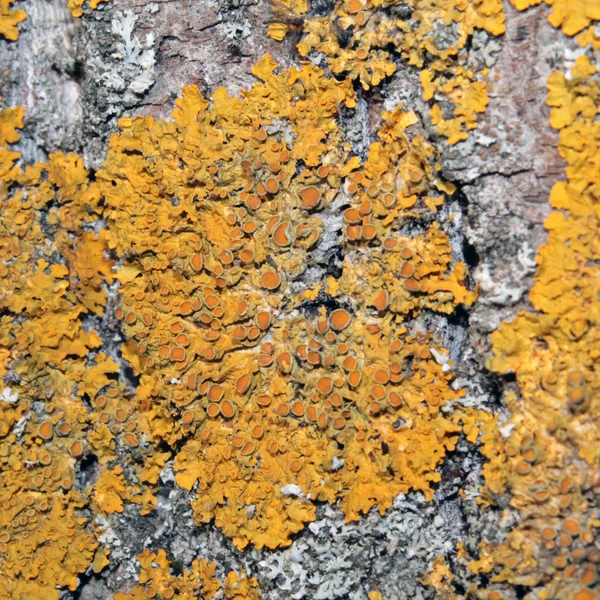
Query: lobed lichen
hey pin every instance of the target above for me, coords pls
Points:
(59, 401)
(571, 17)
(50, 276)
(76, 6)
(269, 381)
(552, 455)
(9, 19)
(288, 14)
(198, 582)
(364, 39)
(213, 216)
(267, 394)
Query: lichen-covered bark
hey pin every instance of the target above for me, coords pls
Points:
(75, 79)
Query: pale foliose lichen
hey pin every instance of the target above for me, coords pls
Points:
(129, 70)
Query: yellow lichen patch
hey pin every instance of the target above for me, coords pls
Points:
(552, 453)
(43, 541)
(101, 559)
(241, 587)
(11, 119)
(43, 545)
(590, 37)
(480, 426)
(110, 491)
(416, 34)
(76, 6)
(439, 577)
(214, 215)
(468, 96)
(116, 426)
(45, 354)
(156, 581)
(287, 15)
(399, 182)
(9, 19)
(571, 17)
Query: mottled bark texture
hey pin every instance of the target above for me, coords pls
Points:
(77, 77)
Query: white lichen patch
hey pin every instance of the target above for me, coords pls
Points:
(9, 396)
(138, 56)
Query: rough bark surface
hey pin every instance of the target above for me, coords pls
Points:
(76, 78)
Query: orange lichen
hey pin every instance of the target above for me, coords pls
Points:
(439, 577)
(156, 581)
(267, 394)
(287, 15)
(552, 456)
(260, 398)
(9, 19)
(571, 17)
(44, 543)
(411, 273)
(373, 29)
(53, 273)
(76, 6)
(241, 587)
(481, 426)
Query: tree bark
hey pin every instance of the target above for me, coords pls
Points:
(76, 78)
